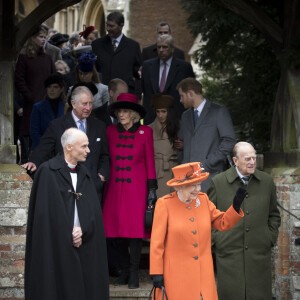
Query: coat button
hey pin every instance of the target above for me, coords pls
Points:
(247, 229)
(188, 207)
(247, 212)
(195, 245)
(192, 219)
(194, 231)
(195, 257)
(246, 247)
(247, 196)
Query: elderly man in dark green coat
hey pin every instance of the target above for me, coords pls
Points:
(243, 254)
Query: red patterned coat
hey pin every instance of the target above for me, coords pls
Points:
(131, 165)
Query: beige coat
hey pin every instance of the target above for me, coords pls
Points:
(165, 159)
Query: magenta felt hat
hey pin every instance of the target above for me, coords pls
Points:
(127, 101)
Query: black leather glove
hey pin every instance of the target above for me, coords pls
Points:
(239, 198)
(158, 281)
(151, 199)
(152, 187)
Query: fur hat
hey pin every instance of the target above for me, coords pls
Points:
(58, 39)
(86, 62)
(187, 174)
(127, 101)
(55, 78)
(162, 101)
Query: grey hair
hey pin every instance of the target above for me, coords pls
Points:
(166, 38)
(69, 136)
(76, 94)
(237, 147)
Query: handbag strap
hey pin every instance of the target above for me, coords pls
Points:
(163, 292)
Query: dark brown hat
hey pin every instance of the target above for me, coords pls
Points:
(162, 101)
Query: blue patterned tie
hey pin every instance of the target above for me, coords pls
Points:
(195, 117)
(81, 126)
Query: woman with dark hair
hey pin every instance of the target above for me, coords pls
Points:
(86, 72)
(50, 108)
(165, 131)
(32, 69)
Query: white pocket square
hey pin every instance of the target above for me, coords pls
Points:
(98, 139)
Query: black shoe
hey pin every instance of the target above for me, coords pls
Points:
(133, 282)
(122, 279)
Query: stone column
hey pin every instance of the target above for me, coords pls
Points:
(15, 186)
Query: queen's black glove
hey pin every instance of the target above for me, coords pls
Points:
(151, 197)
(158, 281)
(239, 198)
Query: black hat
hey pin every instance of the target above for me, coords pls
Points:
(127, 101)
(58, 39)
(55, 78)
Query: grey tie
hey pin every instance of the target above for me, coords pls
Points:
(246, 179)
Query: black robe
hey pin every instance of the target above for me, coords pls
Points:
(54, 268)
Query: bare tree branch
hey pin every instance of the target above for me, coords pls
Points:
(45, 10)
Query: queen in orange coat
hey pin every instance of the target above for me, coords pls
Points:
(180, 249)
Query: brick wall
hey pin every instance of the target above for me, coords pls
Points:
(287, 254)
(146, 14)
(15, 187)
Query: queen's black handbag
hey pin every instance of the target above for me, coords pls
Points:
(163, 292)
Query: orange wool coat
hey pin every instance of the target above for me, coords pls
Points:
(180, 246)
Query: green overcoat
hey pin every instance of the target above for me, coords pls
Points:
(243, 254)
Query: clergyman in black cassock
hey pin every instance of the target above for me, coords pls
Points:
(55, 266)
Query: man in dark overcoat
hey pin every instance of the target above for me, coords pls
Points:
(65, 247)
(117, 55)
(243, 254)
(97, 161)
(162, 74)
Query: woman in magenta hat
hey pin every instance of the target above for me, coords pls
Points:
(132, 184)
(180, 249)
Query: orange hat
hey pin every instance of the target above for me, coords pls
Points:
(186, 174)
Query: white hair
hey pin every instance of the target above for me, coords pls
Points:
(70, 136)
(76, 94)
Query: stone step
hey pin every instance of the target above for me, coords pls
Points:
(124, 293)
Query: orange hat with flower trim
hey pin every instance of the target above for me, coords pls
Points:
(186, 174)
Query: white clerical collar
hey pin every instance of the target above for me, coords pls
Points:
(70, 165)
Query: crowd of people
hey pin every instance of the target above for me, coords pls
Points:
(105, 130)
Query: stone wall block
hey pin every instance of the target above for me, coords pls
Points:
(13, 216)
(14, 198)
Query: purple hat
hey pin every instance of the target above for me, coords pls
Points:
(127, 101)
(86, 62)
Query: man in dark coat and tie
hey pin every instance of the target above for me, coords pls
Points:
(117, 55)
(97, 161)
(65, 247)
(162, 74)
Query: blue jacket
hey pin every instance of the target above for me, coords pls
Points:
(41, 116)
